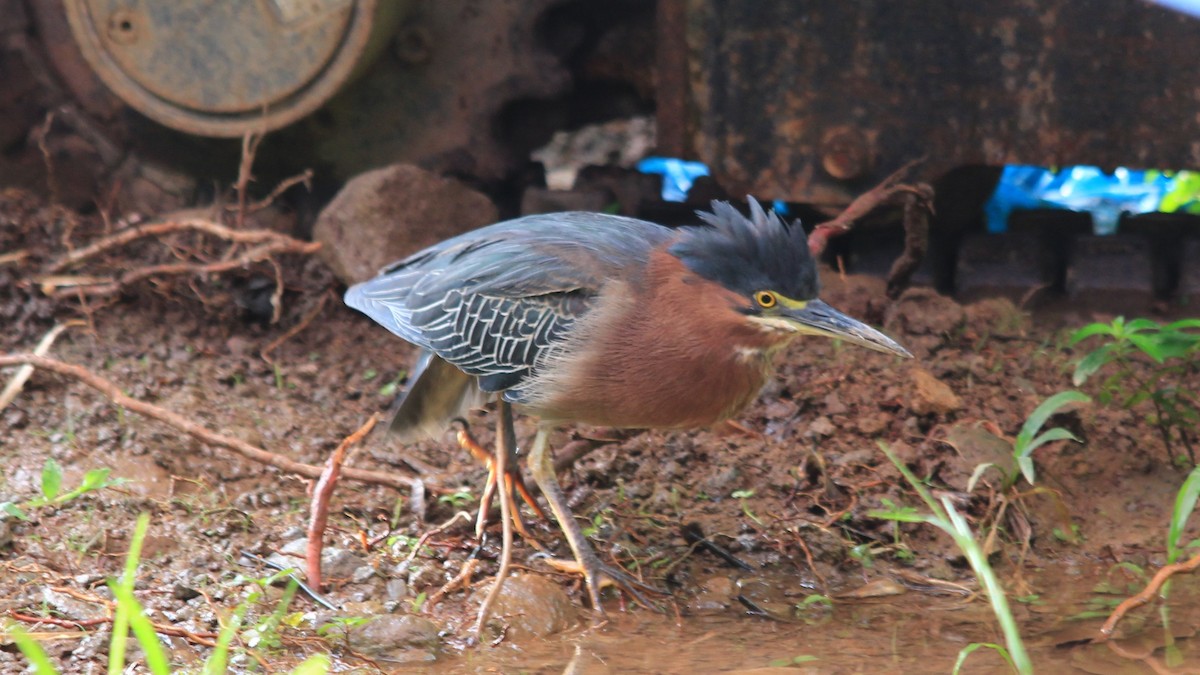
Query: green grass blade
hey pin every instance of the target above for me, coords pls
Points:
(156, 658)
(120, 636)
(1185, 503)
(1038, 417)
(33, 651)
(961, 531)
(966, 651)
(1090, 330)
(1055, 434)
(51, 479)
(313, 665)
(218, 660)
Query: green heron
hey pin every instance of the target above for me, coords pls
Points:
(603, 320)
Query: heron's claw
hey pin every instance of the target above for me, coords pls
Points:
(597, 576)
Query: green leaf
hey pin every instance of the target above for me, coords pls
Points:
(1180, 325)
(978, 473)
(52, 476)
(1151, 345)
(1055, 434)
(13, 510)
(966, 651)
(1140, 325)
(1185, 503)
(32, 650)
(314, 665)
(1043, 412)
(1089, 364)
(1090, 330)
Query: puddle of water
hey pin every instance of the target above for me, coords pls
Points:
(912, 633)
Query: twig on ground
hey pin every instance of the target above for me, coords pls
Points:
(119, 398)
(294, 330)
(460, 580)
(321, 493)
(918, 206)
(250, 143)
(13, 257)
(304, 178)
(461, 515)
(917, 200)
(1146, 594)
(22, 375)
(278, 242)
(48, 157)
(201, 638)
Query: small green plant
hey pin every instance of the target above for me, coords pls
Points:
(742, 496)
(1162, 383)
(1185, 503)
(393, 385)
(130, 615)
(945, 517)
(457, 499)
(52, 494)
(1030, 438)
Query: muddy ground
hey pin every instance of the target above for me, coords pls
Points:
(790, 494)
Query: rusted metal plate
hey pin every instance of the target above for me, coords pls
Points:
(227, 68)
(816, 101)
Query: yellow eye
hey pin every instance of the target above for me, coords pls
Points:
(765, 299)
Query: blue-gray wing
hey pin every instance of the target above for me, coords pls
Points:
(494, 301)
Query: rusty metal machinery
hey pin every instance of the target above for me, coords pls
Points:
(816, 101)
(229, 68)
(392, 80)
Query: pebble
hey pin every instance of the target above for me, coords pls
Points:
(395, 638)
(533, 606)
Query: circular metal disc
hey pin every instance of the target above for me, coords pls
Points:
(223, 68)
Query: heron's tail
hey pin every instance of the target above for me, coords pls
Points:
(438, 393)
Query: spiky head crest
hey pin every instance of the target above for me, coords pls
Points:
(752, 254)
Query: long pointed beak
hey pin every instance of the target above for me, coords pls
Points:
(818, 318)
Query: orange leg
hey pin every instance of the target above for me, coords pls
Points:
(512, 478)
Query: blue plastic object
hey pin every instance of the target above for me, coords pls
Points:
(678, 175)
(1087, 188)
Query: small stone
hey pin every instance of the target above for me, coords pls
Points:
(362, 574)
(834, 405)
(384, 215)
(931, 396)
(336, 563)
(821, 426)
(395, 637)
(533, 606)
(716, 595)
(396, 589)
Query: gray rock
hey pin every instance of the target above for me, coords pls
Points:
(362, 574)
(396, 589)
(395, 637)
(386, 214)
(533, 606)
(336, 563)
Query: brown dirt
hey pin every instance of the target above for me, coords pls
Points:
(806, 471)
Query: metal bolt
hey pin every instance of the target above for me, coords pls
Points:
(123, 27)
(846, 153)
